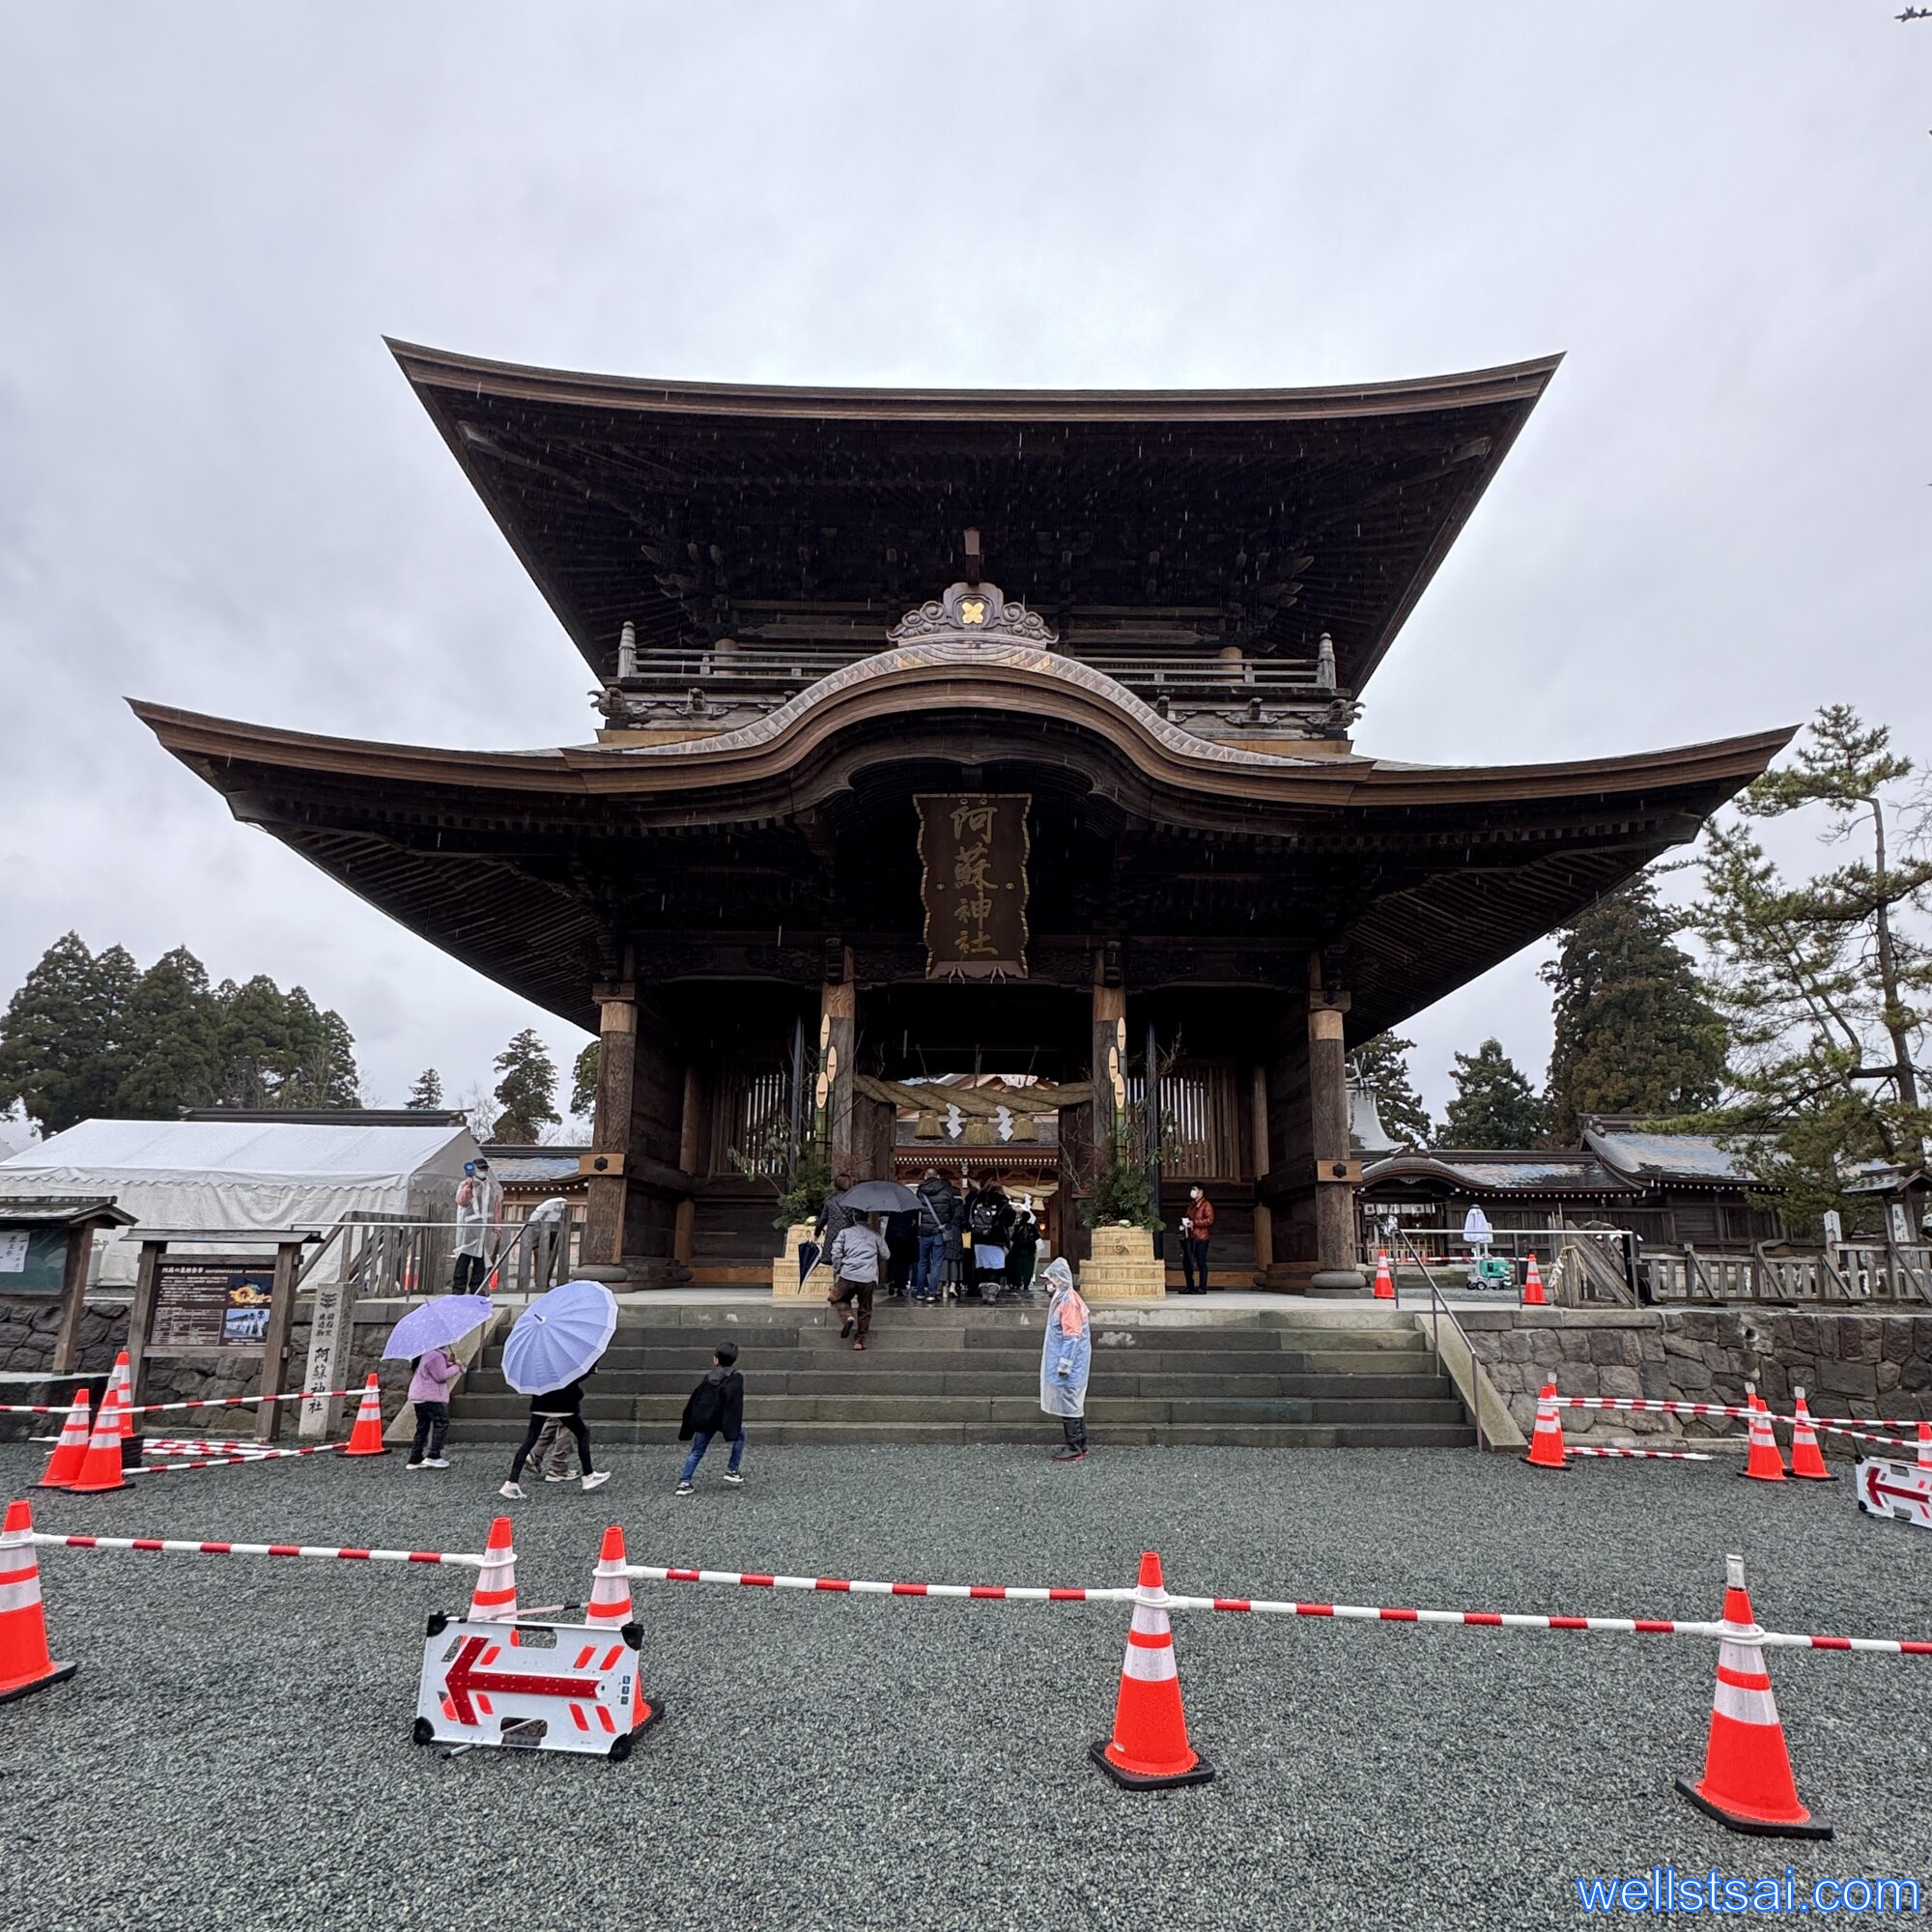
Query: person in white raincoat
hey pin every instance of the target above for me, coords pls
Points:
(1066, 1359)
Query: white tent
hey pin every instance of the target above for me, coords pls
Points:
(246, 1174)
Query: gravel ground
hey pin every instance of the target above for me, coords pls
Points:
(235, 1751)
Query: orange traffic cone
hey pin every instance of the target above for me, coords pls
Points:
(1148, 1749)
(609, 1604)
(1807, 1459)
(1925, 1445)
(1533, 1296)
(1747, 1784)
(70, 1451)
(101, 1467)
(26, 1662)
(1546, 1445)
(1384, 1281)
(366, 1438)
(1764, 1464)
(494, 1601)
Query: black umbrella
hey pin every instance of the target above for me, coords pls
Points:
(879, 1197)
(809, 1253)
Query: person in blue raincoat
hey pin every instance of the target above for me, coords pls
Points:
(1066, 1359)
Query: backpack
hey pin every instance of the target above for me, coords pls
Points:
(985, 1219)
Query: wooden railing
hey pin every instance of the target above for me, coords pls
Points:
(1849, 1273)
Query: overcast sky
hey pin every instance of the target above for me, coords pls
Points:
(216, 491)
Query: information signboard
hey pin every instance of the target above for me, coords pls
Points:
(203, 1307)
(32, 1260)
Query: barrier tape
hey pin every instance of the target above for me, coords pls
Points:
(155, 1408)
(171, 1547)
(1641, 1455)
(1258, 1607)
(219, 1462)
(1637, 1405)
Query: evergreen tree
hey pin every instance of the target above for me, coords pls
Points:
(1383, 1064)
(1635, 1033)
(584, 1083)
(426, 1096)
(280, 1050)
(1494, 1105)
(61, 1034)
(171, 1050)
(527, 1093)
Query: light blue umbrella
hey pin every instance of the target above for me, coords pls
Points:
(559, 1336)
(441, 1320)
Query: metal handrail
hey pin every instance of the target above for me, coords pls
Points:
(1438, 1307)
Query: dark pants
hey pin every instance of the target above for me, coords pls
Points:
(1075, 1429)
(432, 1426)
(573, 1423)
(701, 1442)
(929, 1277)
(901, 1252)
(470, 1271)
(862, 1292)
(1193, 1265)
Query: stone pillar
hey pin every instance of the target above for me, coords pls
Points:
(608, 1193)
(837, 1064)
(1263, 1214)
(690, 1122)
(1336, 1175)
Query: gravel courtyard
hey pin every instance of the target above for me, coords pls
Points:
(235, 1751)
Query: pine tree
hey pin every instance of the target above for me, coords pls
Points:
(584, 1083)
(281, 1050)
(1494, 1105)
(1635, 1033)
(171, 1049)
(1383, 1064)
(527, 1093)
(426, 1096)
(61, 1034)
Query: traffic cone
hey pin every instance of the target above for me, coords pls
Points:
(101, 1467)
(1546, 1445)
(494, 1601)
(1925, 1445)
(1764, 1464)
(122, 1379)
(366, 1438)
(70, 1451)
(25, 1662)
(1807, 1459)
(1148, 1749)
(1384, 1281)
(410, 1272)
(609, 1604)
(1747, 1784)
(1533, 1296)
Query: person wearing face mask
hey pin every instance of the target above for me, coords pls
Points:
(1197, 1230)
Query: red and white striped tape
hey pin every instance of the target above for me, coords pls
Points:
(252, 1456)
(1258, 1607)
(155, 1407)
(1639, 1455)
(171, 1547)
(1635, 1404)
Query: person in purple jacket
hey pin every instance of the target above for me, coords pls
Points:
(429, 1390)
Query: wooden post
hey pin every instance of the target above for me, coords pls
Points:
(690, 1121)
(607, 1191)
(275, 1343)
(1337, 1175)
(141, 1320)
(1109, 1059)
(838, 1054)
(1263, 1214)
(73, 1294)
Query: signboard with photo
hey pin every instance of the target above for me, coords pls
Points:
(203, 1307)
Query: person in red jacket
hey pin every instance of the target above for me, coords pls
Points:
(1197, 1230)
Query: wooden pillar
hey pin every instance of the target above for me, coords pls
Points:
(608, 1193)
(141, 1320)
(838, 1064)
(1263, 1215)
(691, 1124)
(73, 1292)
(1336, 1176)
(1109, 1061)
(275, 1342)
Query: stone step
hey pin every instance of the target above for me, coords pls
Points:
(1038, 1432)
(844, 1380)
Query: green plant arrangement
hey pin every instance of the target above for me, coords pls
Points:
(1120, 1193)
(769, 1156)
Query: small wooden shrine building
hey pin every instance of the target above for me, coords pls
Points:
(967, 732)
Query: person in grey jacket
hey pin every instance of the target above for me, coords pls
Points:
(858, 1260)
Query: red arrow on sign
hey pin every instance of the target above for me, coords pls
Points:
(1875, 1488)
(463, 1677)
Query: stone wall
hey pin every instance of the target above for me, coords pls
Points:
(1867, 1364)
(27, 1347)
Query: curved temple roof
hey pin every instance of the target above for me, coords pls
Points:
(1151, 521)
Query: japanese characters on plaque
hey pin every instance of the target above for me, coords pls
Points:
(972, 849)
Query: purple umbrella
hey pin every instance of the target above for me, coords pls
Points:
(441, 1321)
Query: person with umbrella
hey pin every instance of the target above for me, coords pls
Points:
(1065, 1360)
(858, 1251)
(425, 1338)
(559, 1339)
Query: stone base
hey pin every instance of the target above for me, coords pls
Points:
(1122, 1266)
(1338, 1283)
(785, 1286)
(630, 1276)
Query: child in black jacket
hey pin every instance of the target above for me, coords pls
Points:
(717, 1408)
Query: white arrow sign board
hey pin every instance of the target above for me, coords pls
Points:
(531, 1686)
(1901, 1490)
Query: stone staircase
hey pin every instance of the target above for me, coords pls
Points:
(1317, 1376)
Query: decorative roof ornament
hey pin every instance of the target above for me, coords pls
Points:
(977, 613)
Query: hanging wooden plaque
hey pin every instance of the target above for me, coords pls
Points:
(972, 849)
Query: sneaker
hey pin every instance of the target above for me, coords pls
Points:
(733, 1477)
(1068, 1456)
(510, 1490)
(859, 1344)
(684, 1489)
(596, 1478)
(556, 1479)
(851, 1323)
(418, 1466)
(437, 1463)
